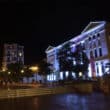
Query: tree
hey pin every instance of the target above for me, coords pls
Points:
(15, 71)
(44, 68)
(82, 61)
(64, 57)
(5, 76)
(27, 72)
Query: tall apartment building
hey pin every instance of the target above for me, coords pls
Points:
(96, 40)
(12, 53)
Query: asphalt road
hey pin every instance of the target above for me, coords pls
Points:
(95, 101)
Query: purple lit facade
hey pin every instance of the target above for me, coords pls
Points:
(96, 41)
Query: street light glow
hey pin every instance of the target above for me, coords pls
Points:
(80, 74)
(33, 68)
(9, 72)
(22, 71)
(3, 69)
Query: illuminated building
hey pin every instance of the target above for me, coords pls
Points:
(12, 53)
(95, 39)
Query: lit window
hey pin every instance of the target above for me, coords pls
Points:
(61, 75)
(90, 72)
(67, 73)
(82, 42)
(73, 74)
(20, 54)
(81, 63)
(107, 69)
(54, 77)
(100, 70)
(80, 74)
(74, 62)
(48, 77)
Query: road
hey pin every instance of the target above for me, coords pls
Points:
(95, 101)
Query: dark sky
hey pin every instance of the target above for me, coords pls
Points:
(36, 25)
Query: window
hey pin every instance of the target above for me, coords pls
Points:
(94, 37)
(95, 51)
(91, 54)
(89, 38)
(97, 68)
(74, 62)
(98, 35)
(102, 68)
(83, 46)
(100, 51)
(8, 59)
(94, 44)
(8, 53)
(8, 47)
(90, 45)
(20, 54)
(14, 58)
(99, 42)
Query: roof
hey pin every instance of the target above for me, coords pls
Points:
(49, 48)
(92, 25)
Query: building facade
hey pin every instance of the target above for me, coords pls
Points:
(95, 39)
(12, 53)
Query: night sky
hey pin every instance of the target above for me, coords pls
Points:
(36, 25)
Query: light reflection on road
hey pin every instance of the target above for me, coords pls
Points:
(94, 101)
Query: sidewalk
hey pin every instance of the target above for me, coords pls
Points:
(19, 86)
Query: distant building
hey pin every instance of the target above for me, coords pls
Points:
(95, 39)
(12, 53)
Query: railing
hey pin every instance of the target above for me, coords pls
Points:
(14, 93)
